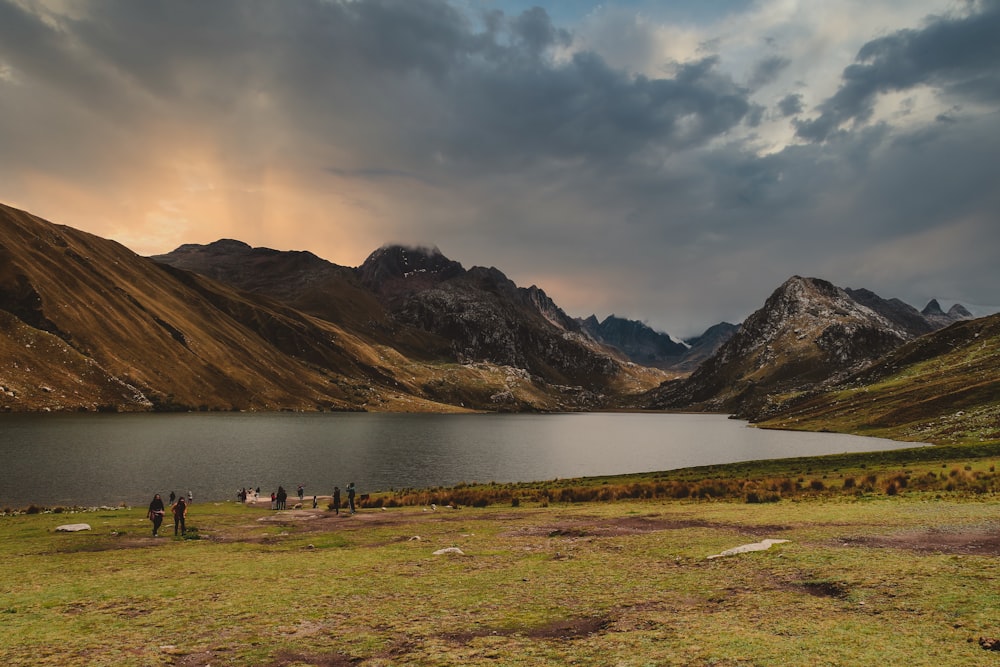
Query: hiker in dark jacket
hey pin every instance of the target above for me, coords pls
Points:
(156, 512)
(179, 509)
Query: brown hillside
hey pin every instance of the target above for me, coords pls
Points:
(147, 336)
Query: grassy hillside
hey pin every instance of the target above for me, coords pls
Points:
(867, 576)
(940, 388)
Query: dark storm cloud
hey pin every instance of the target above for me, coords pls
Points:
(957, 55)
(790, 105)
(767, 70)
(413, 73)
(502, 140)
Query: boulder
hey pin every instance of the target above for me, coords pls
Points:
(744, 548)
(72, 527)
(449, 550)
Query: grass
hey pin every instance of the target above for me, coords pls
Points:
(867, 577)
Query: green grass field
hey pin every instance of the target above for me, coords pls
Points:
(869, 575)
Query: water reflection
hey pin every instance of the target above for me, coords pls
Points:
(88, 459)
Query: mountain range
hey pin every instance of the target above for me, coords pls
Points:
(86, 324)
(808, 335)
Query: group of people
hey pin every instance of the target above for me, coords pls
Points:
(246, 495)
(178, 507)
(279, 499)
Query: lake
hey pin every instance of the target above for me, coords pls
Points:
(106, 459)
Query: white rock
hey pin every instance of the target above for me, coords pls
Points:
(744, 548)
(449, 550)
(72, 527)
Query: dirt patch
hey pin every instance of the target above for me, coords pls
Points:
(570, 628)
(633, 525)
(979, 542)
(286, 658)
(824, 589)
(111, 543)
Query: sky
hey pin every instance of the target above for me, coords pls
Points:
(668, 162)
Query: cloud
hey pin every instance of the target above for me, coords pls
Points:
(626, 163)
(791, 105)
(957, 55)
(767, 70)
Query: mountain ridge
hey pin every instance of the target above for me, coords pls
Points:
(808, 334)
(87, 324)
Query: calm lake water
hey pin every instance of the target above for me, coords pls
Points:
(89, 459)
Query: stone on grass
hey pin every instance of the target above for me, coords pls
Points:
(744, 548)
(72, 527)
(449, 550)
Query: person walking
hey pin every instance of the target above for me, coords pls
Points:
(302, 492)
(190, 498)
(336, 500)
(180, 512)
(350, 496)
(156, 512)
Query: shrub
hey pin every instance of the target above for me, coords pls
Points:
(755, 497)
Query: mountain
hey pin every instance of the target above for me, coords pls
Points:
(636, 340)
(705, 346)
(86, 324)
(305, 282)
(486, 316)
(943, 387)
(426, 306)
(938, 318)
(808, 333)
(641, 344)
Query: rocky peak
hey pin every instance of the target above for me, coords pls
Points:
(960, 312)
(939, 319)
(932, 309)
(808, 332)
(391, 264)
(801, 310)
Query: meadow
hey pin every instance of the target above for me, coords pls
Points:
(891, 559)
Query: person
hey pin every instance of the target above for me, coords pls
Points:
(282, 497)
(156, 512)
(180, 511)
(302, 491)
(274, 500)
(190, 498)
(350, 496)
(173, 497)
(315, 502)
(336, 499)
